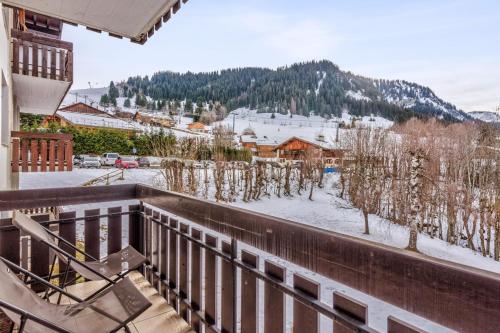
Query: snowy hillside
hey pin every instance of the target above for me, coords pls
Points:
(486, 116)
(280, 128)
(416, 97)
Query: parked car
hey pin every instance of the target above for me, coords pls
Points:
(109, 158)
(91, 162)
(126, 162)
(149, 162)
(78, 159)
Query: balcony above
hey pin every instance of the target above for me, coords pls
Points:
(42, 71)
(134, 19)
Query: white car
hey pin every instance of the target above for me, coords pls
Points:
(109, 159)
(91, 162)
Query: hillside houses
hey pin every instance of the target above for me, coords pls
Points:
(293, 149)
(154, 119)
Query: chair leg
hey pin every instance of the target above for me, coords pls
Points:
(45, 296)
(64, 281)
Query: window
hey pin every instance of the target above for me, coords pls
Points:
(4, 120)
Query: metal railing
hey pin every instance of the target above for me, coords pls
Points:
(202, 255)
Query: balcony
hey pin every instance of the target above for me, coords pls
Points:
(42, 71)
(40, 152)
(224, 269)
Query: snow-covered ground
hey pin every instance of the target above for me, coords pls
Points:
(326, 211)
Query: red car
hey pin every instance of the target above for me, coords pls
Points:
(126, 163)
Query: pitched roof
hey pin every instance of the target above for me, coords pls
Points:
(318, 144)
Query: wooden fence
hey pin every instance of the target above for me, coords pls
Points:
(40, 56)
(39, 152)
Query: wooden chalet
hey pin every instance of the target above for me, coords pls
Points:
(154, 120)
(81, 107)
(197, 127)
(262, 148)
(296, 148)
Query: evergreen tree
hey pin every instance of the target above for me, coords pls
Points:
(104, 100)
(189, 106)
(113, 91)
(127, 103)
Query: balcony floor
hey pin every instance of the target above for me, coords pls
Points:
(160, 317)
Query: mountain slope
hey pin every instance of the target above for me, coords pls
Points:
(486, 116)
(319, 87)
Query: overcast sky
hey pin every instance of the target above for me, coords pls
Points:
(452, 46)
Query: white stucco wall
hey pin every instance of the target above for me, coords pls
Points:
(6, 181)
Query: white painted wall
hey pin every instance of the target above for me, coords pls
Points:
(6, 101)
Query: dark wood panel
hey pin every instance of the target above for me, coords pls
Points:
(196, 276)
(228, 279)
(210, 281)
(249, 294)
(92, 233)
(134, 238)
(173, 269)
(274, 300)
(352, 308)
(183, 271)
(305, 319)
(39, 256)
(395, 325)
(67, 230)
(51, 197)
(114, 230)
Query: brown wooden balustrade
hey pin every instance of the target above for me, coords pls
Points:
(198, 264)
(41, 152)
(40, 56)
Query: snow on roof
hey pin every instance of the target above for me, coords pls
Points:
(83, 119)
(321, 144)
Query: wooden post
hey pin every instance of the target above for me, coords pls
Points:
(43, 155)
(249, 292)
(274, 300)
(15, 155)
(24, 155)
(60, 155)
(52, 156)
(210, 282)
(34, 155)
(305, 319)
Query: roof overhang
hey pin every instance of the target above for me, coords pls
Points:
(134, 19)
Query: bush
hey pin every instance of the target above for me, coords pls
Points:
(99, 141)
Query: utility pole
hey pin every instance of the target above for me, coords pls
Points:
(234, 120)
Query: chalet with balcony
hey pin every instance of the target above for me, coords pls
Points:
(297, 148)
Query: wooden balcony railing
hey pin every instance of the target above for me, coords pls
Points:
(39, 152)
(40, 56)
(203, 255)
